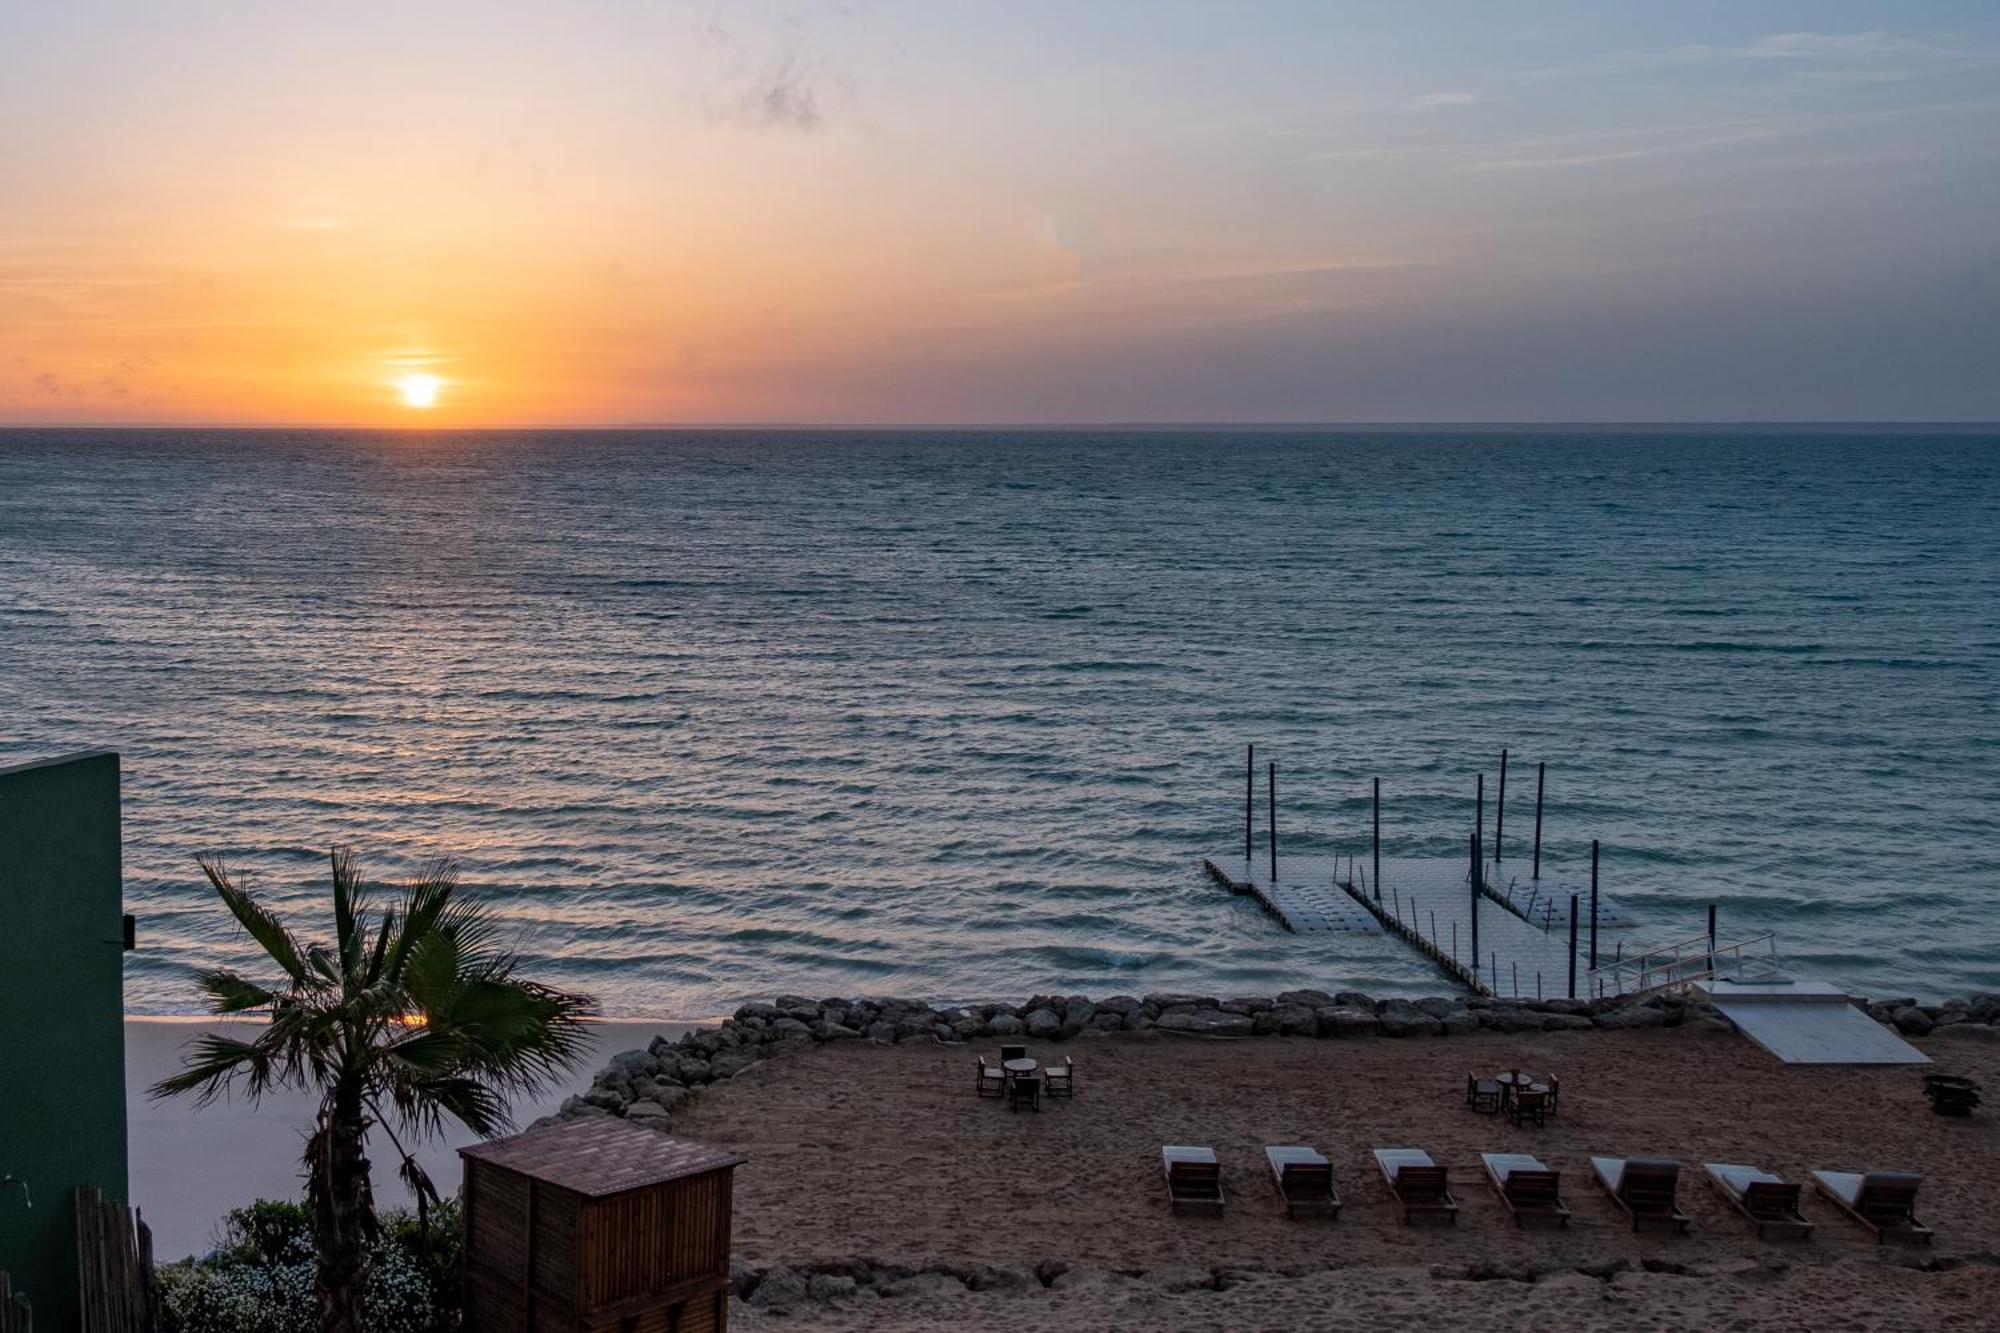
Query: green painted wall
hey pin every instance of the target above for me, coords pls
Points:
(62, 1001)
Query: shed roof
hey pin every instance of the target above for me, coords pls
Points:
(600, 1156)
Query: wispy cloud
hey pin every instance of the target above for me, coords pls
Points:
(1875, 53)
(1430, 100)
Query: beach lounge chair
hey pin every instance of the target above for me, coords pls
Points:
(1024, 1090)
(1483, 1094)
(1529, 1104)
(1771, 1204)
(1883, 1201)
(992, 1080)
(1527, 1187)
(1061, 1079)
(1304, 1179)
(1644, 1187)
(1420, 1185)
(1194, 1179)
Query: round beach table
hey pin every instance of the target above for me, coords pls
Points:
(1028, 1066)
(1528, 1084)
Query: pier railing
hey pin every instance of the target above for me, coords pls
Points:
(1686, 962)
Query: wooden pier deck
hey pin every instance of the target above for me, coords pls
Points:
(1307, 897)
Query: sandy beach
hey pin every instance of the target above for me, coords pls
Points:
(190, 1165)
(884, 1152)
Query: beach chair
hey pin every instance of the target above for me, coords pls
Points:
(1024, 1090)
(992, 1079)
(1529, 1104)
(1770, 1202)
(1194, 1179)
(1013, 1053)
(1527, 1187)
(1420, 1185)
(1644, 1187)
(1061, 1079)
(1883, 1201)
(1555, 1093)
(1304, 1179)
(1483, 1094)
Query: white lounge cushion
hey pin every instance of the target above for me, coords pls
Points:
(1611, 1170)
(1393, 1160)
(1173, 1153)
(1843, 1185)
(1503, 1164)
(1281, 1156)
(1737, 1179)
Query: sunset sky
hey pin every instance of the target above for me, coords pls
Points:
(634, 211)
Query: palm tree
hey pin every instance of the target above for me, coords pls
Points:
(410, 1016)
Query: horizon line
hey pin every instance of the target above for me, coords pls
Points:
(1404, 423)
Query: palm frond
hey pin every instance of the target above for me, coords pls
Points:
(216, 1062)
(349, 898)
(232, 994)
(262, 925)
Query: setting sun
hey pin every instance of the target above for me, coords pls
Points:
(419, 390)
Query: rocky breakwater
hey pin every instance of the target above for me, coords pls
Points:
(646, 1086)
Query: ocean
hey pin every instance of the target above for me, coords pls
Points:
(706, 715)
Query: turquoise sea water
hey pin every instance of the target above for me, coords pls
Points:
(954, 714)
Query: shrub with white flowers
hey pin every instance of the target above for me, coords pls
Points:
(259, 1279)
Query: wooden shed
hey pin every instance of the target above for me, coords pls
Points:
(597, 1226)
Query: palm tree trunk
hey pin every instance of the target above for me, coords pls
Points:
(343, 1212)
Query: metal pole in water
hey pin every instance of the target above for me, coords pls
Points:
(1572, 946)
(1711, 931)
(1378, 840)
(1454, 945)
(1541, 770)
(1475, 911)
(1478, 825)
(1272, 790)
(1249, 799)
(1593, 908)
(1500, 810)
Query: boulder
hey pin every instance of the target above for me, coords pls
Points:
(916, 1029)
(825, 1030)
(1353, 999)
(1296, 1020)
(728, 1064)
(779, 1289)
(1044, 1024)
(1205, 1023)
(650, 1114)
(1162, 1001)
(1348, 1021)
(969, 1028)
(930, 1283)
(1458, 1022)
(1264, 1023)
(756, 1011)
(995, 1278)
(1411, 1024)
(660, 1049)
(1245, 1004)
(1632, 1016)
(1912, 1021)
(1435, 1005)
(691, 1069)
(607, 1100)
(1565, 1022)
(634, 1064)
(1119, 1004)
(1006, 1025)
(1077, 1014)
(1308, 999)
(883, 1032)
(831, 1287)
(1984, 1008)
(1107, 1020)
(1510, 1018)
(786, 1028)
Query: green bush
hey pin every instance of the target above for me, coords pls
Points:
(260, 1277)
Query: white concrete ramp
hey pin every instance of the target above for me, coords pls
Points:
(1808, 1023)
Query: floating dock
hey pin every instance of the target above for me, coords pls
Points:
(1307, 896)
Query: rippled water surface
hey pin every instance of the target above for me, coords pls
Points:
(955, 715)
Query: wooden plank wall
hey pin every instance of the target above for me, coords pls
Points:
(116, 1289)
(647, 1240)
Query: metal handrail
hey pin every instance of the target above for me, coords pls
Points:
(1681, 963)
